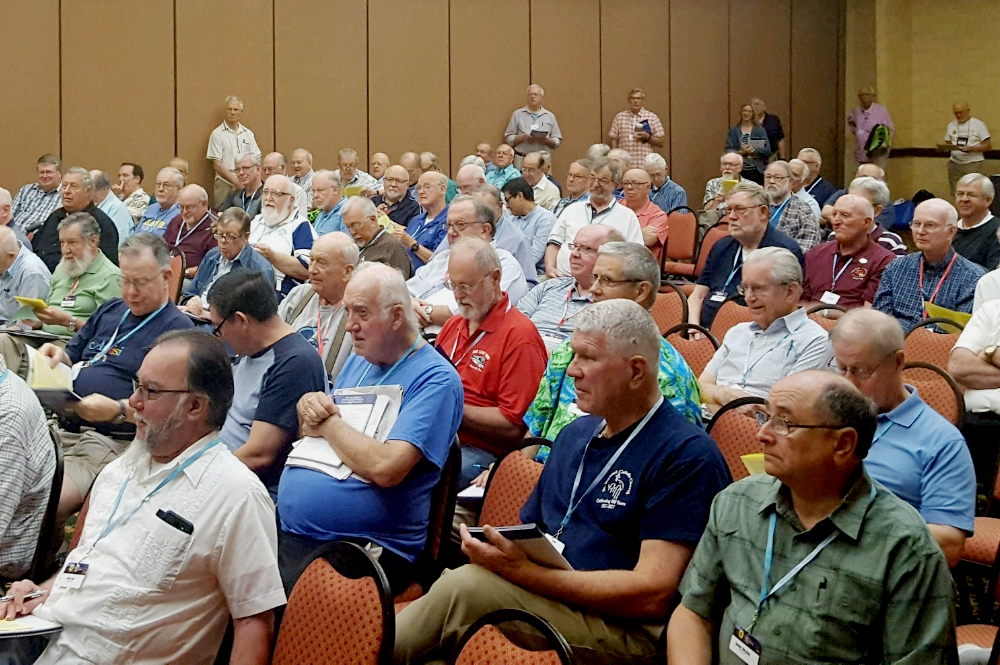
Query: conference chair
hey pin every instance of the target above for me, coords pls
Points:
(697, 352)
(937, 387)
(177, 268)
(486, 643)
(736, 434)
(49, 540)
(511, 482)
(682, 240)
(670, 307)
(925, 345)
(731, 313)
(815, 314)
(715, 233)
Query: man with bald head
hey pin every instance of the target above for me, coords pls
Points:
(375, 243)
(161, 212)
(970, 139)
(886, 218)
(379, 163)
(282, 234)
(532, 127)
(916, 453)
(302, 170)
(877, 193)
(485, 152)
(7, 218)
(274, 163)
(546, 193)
(505, 170)
(21, 274)
(469, 177)
(110, 205)
(191, 233)
(847, 269)
(411, 162)
(636, 184)
(181, 165)
(936, 273)
(394, 202)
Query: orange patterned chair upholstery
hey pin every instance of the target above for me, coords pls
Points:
(670, 307)
(697, 352)
(484, 643)
(511, 483)
(728, 316)
(736, 435)
(925, 345)
(937, 387)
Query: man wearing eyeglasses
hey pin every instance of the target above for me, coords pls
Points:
(577, 185)
(916, 453)
(814, 562)
(374, 242)
(248, 197)
(274, 163)
(546, 193)
(780, 340)
(636, 184)
(976, 238)
(282, 234)
(790, 214)
(395, 202)
(534, 221)
(426, 230)
(505, 169)
(163, 211)
(191, 233)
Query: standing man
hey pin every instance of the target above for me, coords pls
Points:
(248, 196)
(110, 204)
(870, 584)
(328, 197)
(302, 170)
(862, 121)
(971, 139)
(976, 238)
(227, 143)
(191, 233)
(168, 187)
(790, 214)
(636, 130)
(129, 189)
(772, 125)
(636, 184)
(666, 194)
(532, 127)
(394, 202)
(36, 201)
(374, 242)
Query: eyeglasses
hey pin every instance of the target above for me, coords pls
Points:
(960, 194)
(217, 330)
(244, 169)
(225, 238)
(633, 183)
(273, 193)
(861, 374)
(604, 182)
(773, 178)
(146, 393)
(605, 282)
(394, 181)
(166, 185)
(459, 227)
(750, 289)
(583, 249)
(464, 288)
(742, 210)
(574, 176)
(782, 427)
(927, 226)
(136, 283)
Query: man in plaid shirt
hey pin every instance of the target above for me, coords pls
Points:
(36, 201)
(637, 131)
(790, 214)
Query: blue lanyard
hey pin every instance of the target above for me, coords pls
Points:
(737, 264)
(836, 275)
(776, 215)
(246, 208)
(113, 524)
(107, 346)
(746, 370)
(573, 502)
(396, 364)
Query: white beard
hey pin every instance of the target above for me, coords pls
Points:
(271, 217)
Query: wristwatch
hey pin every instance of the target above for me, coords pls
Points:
(71, 326)
(989, 351)
(415, 246)
(120, 418)
(429, 309)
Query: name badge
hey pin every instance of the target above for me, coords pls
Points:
(745, 646)
(718, 296)
(68, 301)
(72, 575)
(557, 544)
(830, 298)
(534, 127)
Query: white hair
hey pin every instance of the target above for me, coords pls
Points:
(985, 184)
(875, 191)
(391, 289)
(628, 329)
(234, 98)
(785, 268)
(473, 159)
(4, 197)
(654, 160)
(366, 205)
(815, 153)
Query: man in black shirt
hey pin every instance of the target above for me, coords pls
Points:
(976, 239)
(76, 187)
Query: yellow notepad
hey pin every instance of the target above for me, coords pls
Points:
(754, 462)
(727, 186)
(33, 303)
(42, 376)
(935, 311)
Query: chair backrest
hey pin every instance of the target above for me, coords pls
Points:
(728, 316)
(670, 308)
(715, 233)
(339, 612)
(925, 345)
(825, 323)
(510, 484)
(78, 527)
(443, 500)
(683, 235)
(177, 268)
(697, 352)
(736, 435)
(49, 541)
(938, 388)
(484, 643)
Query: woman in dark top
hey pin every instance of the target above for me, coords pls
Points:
(750, 140)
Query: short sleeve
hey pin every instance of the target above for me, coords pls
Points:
(713, 268)
(302, 242)
(214, 146)
(948, 487)
(520, 373)
(702, 587)
(427, 413)
(292, 376)
(981, 329)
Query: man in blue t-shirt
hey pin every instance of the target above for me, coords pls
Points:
(276, 366)
(646, 480)
(106, 353)
(385, 504)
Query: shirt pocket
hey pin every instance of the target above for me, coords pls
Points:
(847, 612)
(161, 555)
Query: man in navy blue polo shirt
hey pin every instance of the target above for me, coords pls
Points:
(747, 215)
(625, 496)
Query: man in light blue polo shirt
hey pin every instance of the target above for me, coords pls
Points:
(21, 274)
(329, 197)
(111, 205)
(916, 453)
(534, 221)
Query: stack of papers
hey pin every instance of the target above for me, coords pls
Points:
(27, 625)
(52, 385)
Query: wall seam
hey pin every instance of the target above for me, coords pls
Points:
(450, 100)
(60, 100)
(368, 79)
(531, 61)
(670, 95)
(600, 72)
(791, 77)
(176, 124)
(274, 77)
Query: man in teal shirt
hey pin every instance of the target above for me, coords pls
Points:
(505, 169)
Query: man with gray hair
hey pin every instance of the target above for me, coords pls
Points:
(429, 163)
(664, 192)
(780, 340)
(936, 273)
(877, 193)
(192, 232)
(976, 238)
(227, 143)
(349, 173)
(790, 214)
(815, 185)
(7, 218)
(716, 192)
(631, 526)
(504, 168)
(532, 127)
(470, 176)
(248, 196)
(375, 243)
(282, 234)
(169, 182)
(328, 198)
(376, 169)
(577, 185)
(75, 192)
(392, 482)
(21, 274)
(887, 218)
(546, 193)
(111, 205)
(394, 202)
(274, 163)
(800, 171)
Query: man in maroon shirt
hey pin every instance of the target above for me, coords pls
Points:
(191, 231)
(846, 271)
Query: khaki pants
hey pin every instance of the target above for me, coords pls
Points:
(85, 453)
(222, 189)
(956, 171)
(429, 628)
(14, 349)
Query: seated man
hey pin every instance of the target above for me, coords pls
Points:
(7, 218)
(623, 270)
(249, 197)
(505, 169)
(939, 274)
(666, 194)
(191, 233)
(274, 163)
(169, 182)
(111, 205)
(232, 233)
(815, 185)
(652, 220)
(852, 251)
(35, 201)
(108, 350)
(800, 172)
(433, 302)
(600, 208)
(349, 173)
(628, 544)
(129, 190)
(881, 592)
(83, 281)
(214, 561)
(554, 303)
(426, 231)
(546, 194)
(275, 367)
(328, 199)
(470, 176)
(374, 242)
(716, 199)
(497, 352)
(316, 309)
(916, 453)
(976, 238)
(390, 491)
(886, 217)
(747, 214)
(577, 185)
(534, 221)
(790, 214)
(29, 462)
(282, 234)
(877, 194)
(508, 236)
(780, 340)
(21, 274)
(394, 203)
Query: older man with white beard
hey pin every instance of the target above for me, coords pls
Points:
(790, 214)
(282, 235)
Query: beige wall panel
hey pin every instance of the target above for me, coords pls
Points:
(485, 90)
(814, 120)
(224, 47)
(320, 92)
(632, 57)
(699, 88)
(759, 56)
(113, 109)
(565, 61)
(408, 81)
(30, 116)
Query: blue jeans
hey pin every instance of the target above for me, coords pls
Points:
(474, 461)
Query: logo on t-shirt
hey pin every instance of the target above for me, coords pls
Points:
(478, 360)
(619, 483)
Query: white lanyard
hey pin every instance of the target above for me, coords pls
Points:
(181, 238)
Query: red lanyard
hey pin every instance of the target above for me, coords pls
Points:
(940, 281)
(320, 331)
(73, 288)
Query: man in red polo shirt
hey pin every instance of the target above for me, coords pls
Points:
(498, 354)
(652, 220)
(846, 271)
